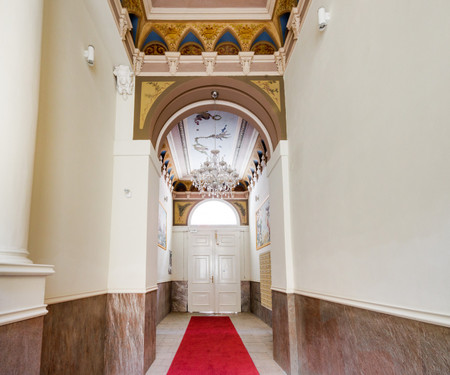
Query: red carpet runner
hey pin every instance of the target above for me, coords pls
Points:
(211, 345)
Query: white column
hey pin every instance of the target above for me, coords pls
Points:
(20, 46)
(22, 283)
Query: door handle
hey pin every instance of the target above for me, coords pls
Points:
(212, 279)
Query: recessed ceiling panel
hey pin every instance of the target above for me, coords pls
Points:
(198, 134)
(209, 3)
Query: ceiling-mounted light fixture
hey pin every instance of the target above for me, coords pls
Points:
(322, 18)
(214, 94)
(89, 55)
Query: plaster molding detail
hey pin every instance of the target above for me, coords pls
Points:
(245, 58)
(138, 60)
(124, 80)
(173, 59)
(125, 24)
(209, 60)
(280, 60)
(294, 22)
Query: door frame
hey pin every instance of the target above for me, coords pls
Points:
(240, 243)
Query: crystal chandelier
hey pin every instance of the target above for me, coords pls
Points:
(215, 177)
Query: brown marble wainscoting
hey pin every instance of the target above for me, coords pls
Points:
(256, 308)
(125, 327)
(245, 296)
(180, 296)
(285, 331)
(150, 329)
(20, 347)
(73, 338)
(339, 339)
(164, 300)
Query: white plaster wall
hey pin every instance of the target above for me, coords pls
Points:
(367, 115)
(261, 191)
(163, 255)
(71, 199)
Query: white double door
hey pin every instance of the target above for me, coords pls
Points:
(214, 272)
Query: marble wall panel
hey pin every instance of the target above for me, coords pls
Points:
(255, 304)
(150, 329)
(20, 347)
(74, 337)
(179, 296)
(335, 339)
(245, 296)
(125, 327)
(164, 300)
(281, 341)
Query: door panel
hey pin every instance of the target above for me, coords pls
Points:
(214, 272)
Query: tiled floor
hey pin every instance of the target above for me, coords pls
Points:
(255, 334)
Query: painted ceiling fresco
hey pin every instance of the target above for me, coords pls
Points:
(194, 138)
(226, 37)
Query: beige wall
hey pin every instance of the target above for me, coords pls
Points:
(369, 137)
(71, 202)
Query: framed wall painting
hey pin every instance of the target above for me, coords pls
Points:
(162, 227)
(263, 225)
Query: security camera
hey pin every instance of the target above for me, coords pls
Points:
(89, 55)
(322, 18)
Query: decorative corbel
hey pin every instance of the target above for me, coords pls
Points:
(125, 24)
(280, 60)
(245, 58)
(209, 60)
(294, 22)
(173, 59)
(138, 61)
(124, 80)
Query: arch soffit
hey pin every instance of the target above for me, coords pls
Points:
(238, 96)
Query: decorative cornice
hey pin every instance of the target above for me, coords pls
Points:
(223, 65)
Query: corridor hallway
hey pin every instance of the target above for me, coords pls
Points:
(255, 334)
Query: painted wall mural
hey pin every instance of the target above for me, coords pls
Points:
(263, 225)
(162, 227)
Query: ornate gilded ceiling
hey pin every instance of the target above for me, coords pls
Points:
(159, 44)
(228, 37)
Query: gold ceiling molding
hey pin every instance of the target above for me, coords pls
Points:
(134, 6)
(284, 6)
(271, 88)
(209, 33)
(150, 91)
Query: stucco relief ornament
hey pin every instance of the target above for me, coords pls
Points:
(280, 60)
(294, 22)
(173, 59)
(245, 59)
(124, 80)
(124, 23)
(209, 60)
(138, 61)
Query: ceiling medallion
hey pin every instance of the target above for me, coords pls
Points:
(215, 177)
